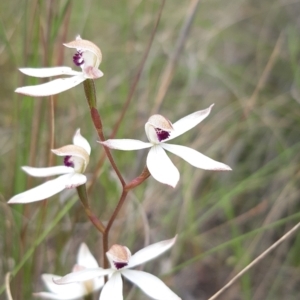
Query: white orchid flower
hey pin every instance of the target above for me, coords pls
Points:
(76, 159)
(76, 290)
(88, 56)
(160, 130)
(121, 261)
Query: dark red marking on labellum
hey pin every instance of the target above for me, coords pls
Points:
(161, 134)
(68, 161)
(120, 265)
(78, 58)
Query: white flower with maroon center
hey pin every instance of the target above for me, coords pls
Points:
(75, 290)
(160, 130)
(121, 261)
(76, 158)
(88, 56)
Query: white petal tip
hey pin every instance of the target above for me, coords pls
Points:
(220, 167)
(173, 240)
(77, 131)
(211, 106)
(24, 91)
(19, 201)
(106, 144)
(15, 200)
(224, 168)
(92, 72)
(172, 185)
(20, 91)
(99, 74)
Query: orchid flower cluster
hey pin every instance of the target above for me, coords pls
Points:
(87, 276)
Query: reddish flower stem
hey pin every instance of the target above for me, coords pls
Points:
(90, 92)
(131, 185)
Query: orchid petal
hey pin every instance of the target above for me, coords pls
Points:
(80, 141)
(150, 284)
(113, 289)
(85, 258)
(42, 191)
(49, 72)
(76, 180)
(92, 72)
(126, 144)
(161, 167)
(45, 172)
(71, 150)
(85, 45)
(84, 275)
(51, 88)
(195, 158)
(150, 252)
(76, 152)
(188, 122)
(72, 291)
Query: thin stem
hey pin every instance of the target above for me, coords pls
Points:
(139, 180)
(84, 200)
(255, 261)
(170, 68)
(133, 184)
(110, 223)
(265, 74)
(98, 125)
(90, 92)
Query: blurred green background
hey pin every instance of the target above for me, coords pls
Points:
(242, 55)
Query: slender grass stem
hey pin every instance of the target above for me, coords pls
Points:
(172, 63)
(255, 261)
